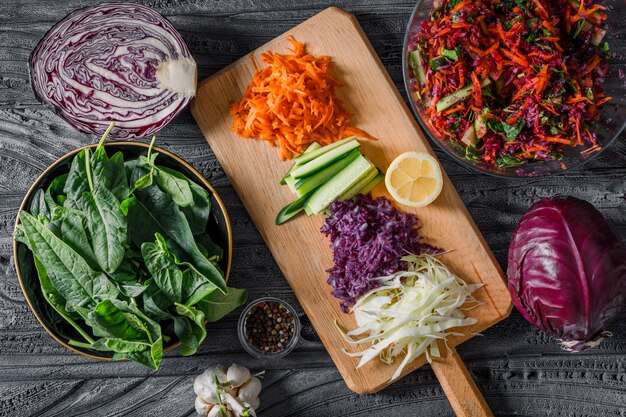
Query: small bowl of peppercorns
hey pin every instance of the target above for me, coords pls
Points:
(269, 328)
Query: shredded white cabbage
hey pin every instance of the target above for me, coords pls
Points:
(411, 311)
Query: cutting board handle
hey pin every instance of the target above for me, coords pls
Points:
(459, 386)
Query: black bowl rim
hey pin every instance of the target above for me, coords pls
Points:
(465, 163)
(62, 159)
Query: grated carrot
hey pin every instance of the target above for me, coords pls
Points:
(292, 103)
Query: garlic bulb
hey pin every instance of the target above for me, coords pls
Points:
(227, 393)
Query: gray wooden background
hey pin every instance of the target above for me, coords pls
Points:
(520, 371)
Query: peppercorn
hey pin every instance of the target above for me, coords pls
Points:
(269, 327)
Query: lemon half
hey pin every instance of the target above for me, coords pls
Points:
(414, 179)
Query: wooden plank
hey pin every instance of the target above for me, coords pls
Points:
(300, 250)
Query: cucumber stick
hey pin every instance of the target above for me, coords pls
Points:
(380, 176)
(312, 147)
(316, 153)
(451, 99)
(339, 184)
(292, 209)
(324, 160)
(354, 190)
(305, 185)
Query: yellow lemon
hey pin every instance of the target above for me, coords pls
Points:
(414, 179)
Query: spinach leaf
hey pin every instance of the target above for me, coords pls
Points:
(107, 344)
(156, 212)
(54, 193)
(190, 328)
(78, 284)
(195, 287)
(211, 250)
(107, 227)
(76, 183)
(217, 305)
(110, 173)
(177, 188)
(198, 213)
(149, 357)
(56, 300)
(510, 132)
(115, 319)
(155, 302)
(38, 205)
(162, 266)
(71, 230)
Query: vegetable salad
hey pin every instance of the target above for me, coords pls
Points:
(513, 81)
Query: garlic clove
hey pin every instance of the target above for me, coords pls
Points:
(234, 404)
(220, 372)
(215, 412)
(238, 375)
(249, 392)
(253, 404)
(203, 407)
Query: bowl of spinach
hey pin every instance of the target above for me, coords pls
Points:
(123, 251)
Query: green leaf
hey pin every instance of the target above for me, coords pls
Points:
(107, 226)
(217, 305)
(126, 204)
(72, 231)
(76, 183)
(195, 287)
(198, 213)
(106, 344)
(156, 212)
(211, 250)
(110, 173)
(115, 319)
(70, 274)
(509, 132)
(56, 300)
(189, 328)
(162, 266)
(155, 303)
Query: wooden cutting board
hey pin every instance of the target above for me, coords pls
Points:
(301, 251)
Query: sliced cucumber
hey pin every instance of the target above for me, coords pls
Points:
(469, 137)
(451, 99)
(417, 63)
(339, 184)
(308, 184)
(380, 176)
(359, 185)
(479, 125)
(324, 160)
(312, 147)
(292, 209)
(309, 156)
(291, 183)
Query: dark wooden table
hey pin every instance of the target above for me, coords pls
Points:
(520, 370)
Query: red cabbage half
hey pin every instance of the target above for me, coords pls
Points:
(567, 271)
(115, 62)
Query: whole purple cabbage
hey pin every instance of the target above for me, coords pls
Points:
(567, 271)
(368, 237)
(114, 62)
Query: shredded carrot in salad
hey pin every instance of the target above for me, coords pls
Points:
(291, 103)
(513, 81)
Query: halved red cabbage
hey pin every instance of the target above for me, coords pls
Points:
(115, 62)
(567, 271)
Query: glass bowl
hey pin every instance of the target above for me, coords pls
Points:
(257, 353)
(609, 127)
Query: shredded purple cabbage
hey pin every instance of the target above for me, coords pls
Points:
(368, 238)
